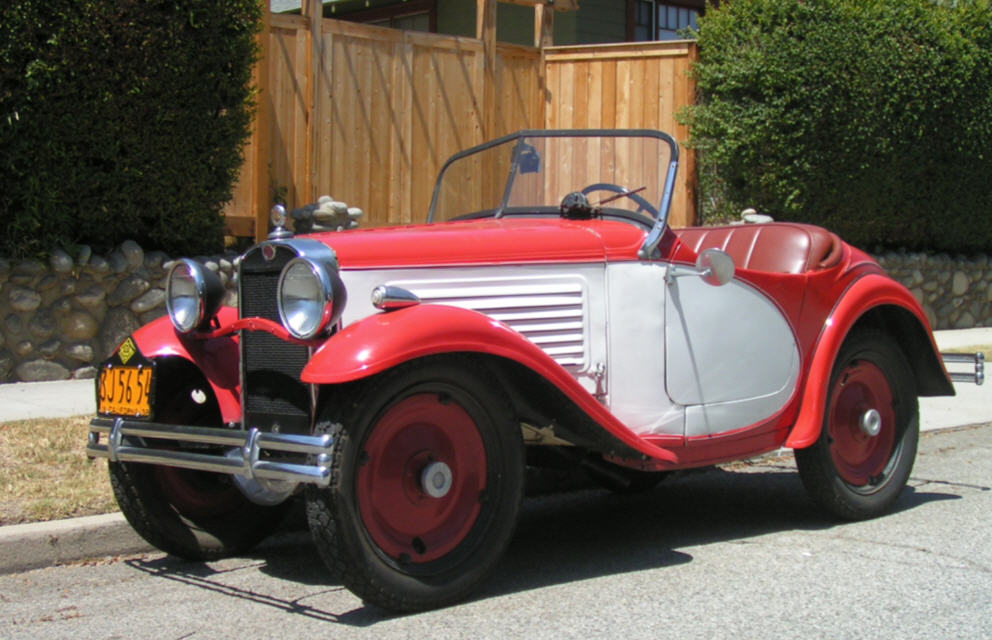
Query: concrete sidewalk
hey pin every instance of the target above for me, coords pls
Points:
(60, 399)
(44, 544)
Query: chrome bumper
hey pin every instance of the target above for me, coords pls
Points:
(122, 441)
(977, 360)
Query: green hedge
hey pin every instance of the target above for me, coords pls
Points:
(870, 117)
(122, 119)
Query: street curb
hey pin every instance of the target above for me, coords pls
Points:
(45, 544)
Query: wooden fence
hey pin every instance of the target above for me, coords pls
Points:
(627, 86)
(368, 115)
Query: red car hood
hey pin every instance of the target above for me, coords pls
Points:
(473, 242)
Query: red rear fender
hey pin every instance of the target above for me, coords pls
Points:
(867, 296)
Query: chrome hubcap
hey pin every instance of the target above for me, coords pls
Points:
(871, 423)
(436, 479)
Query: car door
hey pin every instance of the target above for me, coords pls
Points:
(731, 357)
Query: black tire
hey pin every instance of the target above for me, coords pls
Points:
(848, 472)
(376, 527)
(195, 515)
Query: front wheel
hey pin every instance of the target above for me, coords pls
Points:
(195, 515)
(426, 484)
(866, 449)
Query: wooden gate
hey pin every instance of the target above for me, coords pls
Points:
(368, 114)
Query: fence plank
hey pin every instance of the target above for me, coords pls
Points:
(634, 86)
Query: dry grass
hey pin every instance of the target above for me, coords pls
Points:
(45, 474)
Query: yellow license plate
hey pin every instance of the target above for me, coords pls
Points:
(125, 391)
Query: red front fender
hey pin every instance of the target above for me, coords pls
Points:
(386, 340)
(866, 294)
(217, 357)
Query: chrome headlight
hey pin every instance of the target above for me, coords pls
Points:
(311, 297)
(193, 295)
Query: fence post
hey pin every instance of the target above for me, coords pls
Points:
(692, 207)
(544, 36)
(314, 11)
(544, 25)
(263, 115)
(485, 30)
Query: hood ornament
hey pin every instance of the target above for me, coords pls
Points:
(277, 216)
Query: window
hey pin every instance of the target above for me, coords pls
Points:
(653, 20)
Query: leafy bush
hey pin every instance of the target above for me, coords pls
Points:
(870, 117)
(122, 119)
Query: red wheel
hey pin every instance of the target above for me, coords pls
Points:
(428, 479)
(423, 472)
(861, 422)
(865, 453)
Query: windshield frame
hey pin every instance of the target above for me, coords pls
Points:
(663, 207)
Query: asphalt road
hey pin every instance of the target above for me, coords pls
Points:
(722, 553)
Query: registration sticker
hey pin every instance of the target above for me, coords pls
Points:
(125, 384)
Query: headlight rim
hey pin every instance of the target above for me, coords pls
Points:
(195, 272)
(327, 302)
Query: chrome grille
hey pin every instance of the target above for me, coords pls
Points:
(274, 397)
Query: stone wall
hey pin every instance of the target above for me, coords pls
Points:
(59, 320)
(956, 292)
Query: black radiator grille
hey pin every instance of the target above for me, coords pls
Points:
(271, 367)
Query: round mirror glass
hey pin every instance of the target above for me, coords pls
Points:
(715, 267)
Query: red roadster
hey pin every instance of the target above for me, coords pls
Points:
(399, 380)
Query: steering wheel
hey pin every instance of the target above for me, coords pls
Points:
(642, 204)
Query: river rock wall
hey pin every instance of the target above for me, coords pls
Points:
(955, 291)
(60, 319)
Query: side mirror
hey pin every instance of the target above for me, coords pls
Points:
(528, 158)
(715, 267)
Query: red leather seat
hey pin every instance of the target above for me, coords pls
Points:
(778, 247)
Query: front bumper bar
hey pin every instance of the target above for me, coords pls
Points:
(121, 439)
(976, 376)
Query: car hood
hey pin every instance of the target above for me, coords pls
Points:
(475, 242)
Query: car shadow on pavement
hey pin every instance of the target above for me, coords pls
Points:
(593, 533)
(569, 536)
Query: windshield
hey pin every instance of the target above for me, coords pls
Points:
(627, 173)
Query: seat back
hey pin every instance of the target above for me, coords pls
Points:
(777, 247)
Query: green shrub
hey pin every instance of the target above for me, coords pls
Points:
(870, 117)
(122, 119)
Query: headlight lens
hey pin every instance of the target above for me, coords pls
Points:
(193, 295)
(183, 297)
(306, 298)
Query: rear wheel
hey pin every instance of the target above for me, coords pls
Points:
(195, 515)
(426, 485)
(866, 449)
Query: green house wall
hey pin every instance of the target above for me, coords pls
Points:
(595, 22)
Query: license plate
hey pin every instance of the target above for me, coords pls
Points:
(125, 391)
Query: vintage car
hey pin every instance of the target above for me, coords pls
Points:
(400, 380)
